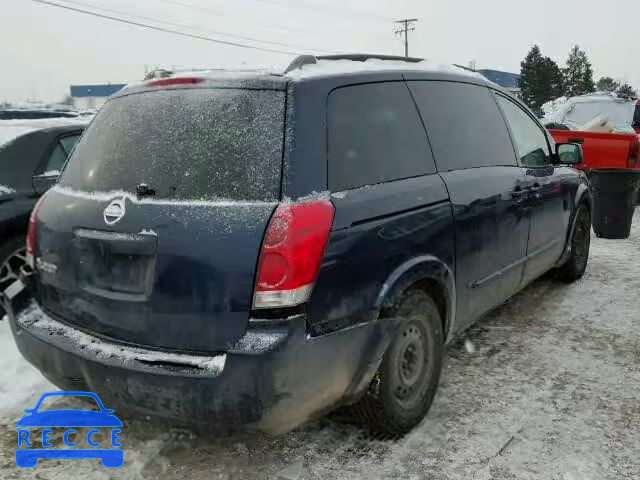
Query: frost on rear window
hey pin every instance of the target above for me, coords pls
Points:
(185, 144)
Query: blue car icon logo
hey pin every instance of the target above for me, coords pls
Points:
(100, 423)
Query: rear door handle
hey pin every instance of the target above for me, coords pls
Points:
(576, 140)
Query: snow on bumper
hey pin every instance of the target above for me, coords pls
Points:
(34, 320)
(274, 379)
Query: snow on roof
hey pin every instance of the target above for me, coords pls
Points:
(39, 123)
(339, 67)
(8, 133)
(232, 72)
(556, 110)
(322, 67)
(597, 97)
(212, 73)
(11, 129)
(552, 108)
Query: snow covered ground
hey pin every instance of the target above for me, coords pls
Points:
(547, 387)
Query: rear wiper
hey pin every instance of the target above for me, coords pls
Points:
(144, 190)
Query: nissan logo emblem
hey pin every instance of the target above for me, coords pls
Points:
(114, 212)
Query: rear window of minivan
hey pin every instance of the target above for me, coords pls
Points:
(186, 144)
(375, 135)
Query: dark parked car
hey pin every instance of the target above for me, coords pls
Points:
(29, 165)
(262, 249)
(33, 114)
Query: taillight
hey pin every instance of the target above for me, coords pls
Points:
(164, 82)
(634, 154)
(292, 251)
(31, 233)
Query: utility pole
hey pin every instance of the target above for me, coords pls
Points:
(407, 26)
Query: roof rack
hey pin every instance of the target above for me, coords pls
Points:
(302, 60)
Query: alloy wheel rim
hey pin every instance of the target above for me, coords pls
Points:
(10, 267)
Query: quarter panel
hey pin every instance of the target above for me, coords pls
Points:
(305, 154)
(376, 230)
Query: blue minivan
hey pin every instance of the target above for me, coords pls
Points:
(255, 249)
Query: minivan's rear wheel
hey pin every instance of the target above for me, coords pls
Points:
(12, 258)
(580, 244)
(402, 391)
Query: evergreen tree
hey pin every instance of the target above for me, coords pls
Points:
(578, 74)
(626, 90)
(529, 83)
(555, 79)
(540, 79)
(607, 84)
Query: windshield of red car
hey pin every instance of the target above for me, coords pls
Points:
(620, 114)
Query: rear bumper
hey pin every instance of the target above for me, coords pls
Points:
(274, 379)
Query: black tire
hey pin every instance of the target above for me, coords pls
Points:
(403, 389)
(8, 248)
(575, 267)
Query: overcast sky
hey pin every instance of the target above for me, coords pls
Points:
(44, 49)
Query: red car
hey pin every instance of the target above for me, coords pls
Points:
(620, 149)
(611, 160)
(603, 150)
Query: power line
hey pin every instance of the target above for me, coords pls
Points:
(193, 7)
(326, 10)
(407, 26)
(167, 30)
(289, 27)
(190, 27)
(321, 8)
(219, 13)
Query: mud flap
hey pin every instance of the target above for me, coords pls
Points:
(384, 331)
(352, 357)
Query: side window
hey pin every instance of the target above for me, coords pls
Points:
(465, 127)
(530, 139)
(375, 135)
(56, 161)
(69, 142)
(59, 154)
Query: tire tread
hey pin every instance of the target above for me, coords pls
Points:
(371, 410)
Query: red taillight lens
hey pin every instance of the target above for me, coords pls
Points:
(292, 252)
(164, 82)
(31, 232)
(634, 155)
